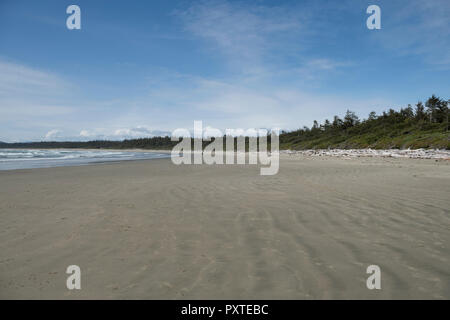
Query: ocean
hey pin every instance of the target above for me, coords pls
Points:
(11, 159)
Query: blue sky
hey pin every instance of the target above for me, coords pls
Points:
(138, 68)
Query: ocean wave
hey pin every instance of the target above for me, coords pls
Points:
(35, 158)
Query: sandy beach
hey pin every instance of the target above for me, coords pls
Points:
(153, 230)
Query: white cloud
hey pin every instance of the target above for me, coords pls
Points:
(326, 64)
(20, 79)
(52, 134)
(245, 34)
(235, 104)
(134, 132)
(85, 133)
(120, 133)
(255, 40)
(26, 91)
(32, 101)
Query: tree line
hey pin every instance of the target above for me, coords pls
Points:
(426, 125)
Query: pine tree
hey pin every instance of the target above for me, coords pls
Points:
(350, 119)
(420, 111)
(372, 116)
(432, 105)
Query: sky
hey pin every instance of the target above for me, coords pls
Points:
(144, 68)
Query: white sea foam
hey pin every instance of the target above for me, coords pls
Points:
(36, 158)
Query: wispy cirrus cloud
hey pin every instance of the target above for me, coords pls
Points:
(36, 104)
(234, 103)
(246, 35)
(29, 99)
(19, 79)
(251, 38)
(30, 91)
(420, 28)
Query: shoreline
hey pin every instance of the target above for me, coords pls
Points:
(96, 149)
(440, 154)
(11, 163)
(345, 154)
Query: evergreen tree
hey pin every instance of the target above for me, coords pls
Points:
(350, 119)
(432, 105)
(337, 122)
(420, 111)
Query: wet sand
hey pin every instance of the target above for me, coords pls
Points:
(153, 230)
